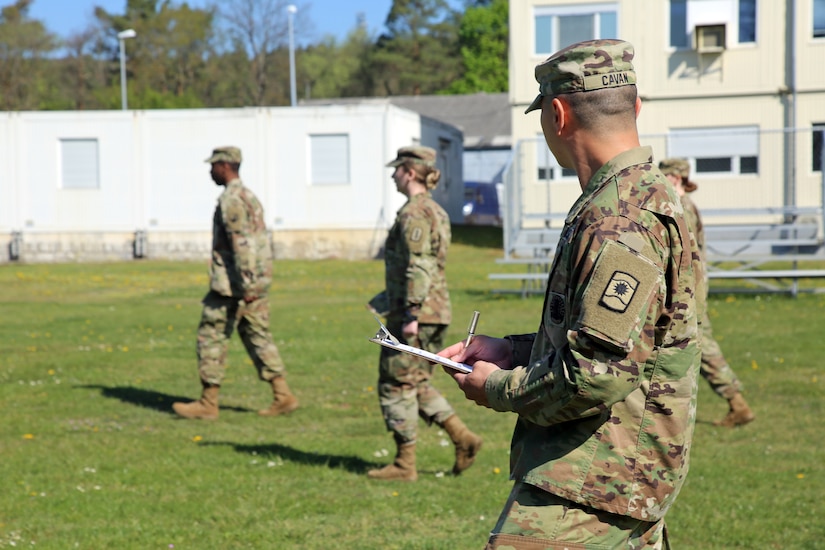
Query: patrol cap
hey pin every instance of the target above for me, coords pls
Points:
(418, 154)
(225, 154)
(584, 67)
(678, 167)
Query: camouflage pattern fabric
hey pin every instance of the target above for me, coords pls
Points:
(220, 316)
(715, 369)
(414, 259)
(534, 520)
(584, 67)
(404, 389)
(241, 263)
(607, 402)
(241, 269)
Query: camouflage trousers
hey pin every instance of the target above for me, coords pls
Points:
(715, 368)
(220, 316)
(404, 389)
(534, 519)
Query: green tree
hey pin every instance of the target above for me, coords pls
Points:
(483, 37)
(24, 45)
(419, 55)
(328, 70)
(166, 60)
(78, 81)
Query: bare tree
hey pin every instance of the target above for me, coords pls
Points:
(261, 27)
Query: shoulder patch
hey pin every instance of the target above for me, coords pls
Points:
(234, 216)
(618, 295)
(417, 235)
(619, 291)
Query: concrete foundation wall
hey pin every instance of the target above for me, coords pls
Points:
(105, 247)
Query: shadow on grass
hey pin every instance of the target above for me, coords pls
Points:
(352, 464)
(149, 399)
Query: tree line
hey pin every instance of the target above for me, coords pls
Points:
(235, 53)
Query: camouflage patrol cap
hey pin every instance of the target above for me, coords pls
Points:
(225, 154)
(681, 168)
(584, 67)
(418, 154)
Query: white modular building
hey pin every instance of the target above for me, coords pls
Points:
(104, 185)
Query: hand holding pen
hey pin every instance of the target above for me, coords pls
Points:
(471, 331)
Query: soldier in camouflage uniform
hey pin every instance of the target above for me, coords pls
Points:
(715, 368)
(605, 391)
(417, 306)
(240, 276)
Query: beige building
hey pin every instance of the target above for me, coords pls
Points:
(735, 86)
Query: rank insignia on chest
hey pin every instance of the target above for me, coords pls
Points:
(619, 291)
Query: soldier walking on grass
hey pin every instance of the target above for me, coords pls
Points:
(417, 305)
(240, 276)
(715, 368)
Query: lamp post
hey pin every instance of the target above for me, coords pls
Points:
(122, 36)
(291, 9)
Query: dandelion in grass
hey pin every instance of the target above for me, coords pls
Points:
(754, 365)
(197, 438)
(800, 476)
(395, 493)
(51, 372)
(496, 470)
(28, 436)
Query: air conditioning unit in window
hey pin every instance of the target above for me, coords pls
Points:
(709, 38)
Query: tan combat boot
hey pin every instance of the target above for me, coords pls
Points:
(467, 444)
(739, 414)
(205, 408)
(283, 401)
(401, 469)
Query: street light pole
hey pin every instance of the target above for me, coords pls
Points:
(122, 36)
(291, 9)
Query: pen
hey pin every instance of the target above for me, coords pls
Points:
(471, 331)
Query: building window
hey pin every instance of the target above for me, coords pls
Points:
(547, 166)
(678, 24)
(329, 159)
(559, 26)
(747, 21)
(720, 151)
(79, 168)
(738, 15)
(819, 18)
(816, 152)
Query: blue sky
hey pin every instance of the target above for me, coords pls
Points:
(336, 17)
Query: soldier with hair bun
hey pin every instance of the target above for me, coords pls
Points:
(416, 303)
(715, 368)
(604, 392)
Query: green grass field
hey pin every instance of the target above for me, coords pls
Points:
(93, 355)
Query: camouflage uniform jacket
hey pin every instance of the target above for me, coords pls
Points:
(241, 263)
(606, 390)
(694, 221)
(415, 257)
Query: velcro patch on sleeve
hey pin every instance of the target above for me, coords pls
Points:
(618, 294)
(234, 216)
(416, 233)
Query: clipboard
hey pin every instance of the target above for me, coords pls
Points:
(384, 338)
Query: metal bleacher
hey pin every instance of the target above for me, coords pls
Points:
(758, 249)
